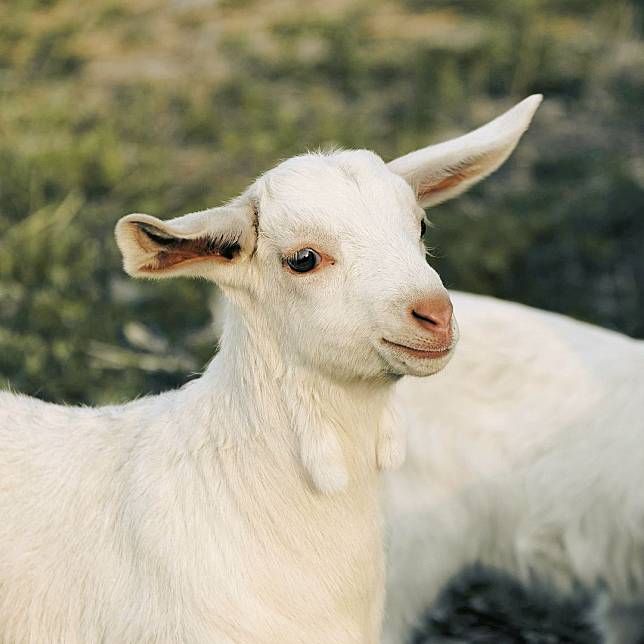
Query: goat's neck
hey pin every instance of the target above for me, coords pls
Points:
(300, 479)
(332, 426)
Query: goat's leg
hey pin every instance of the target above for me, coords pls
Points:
(421, 559)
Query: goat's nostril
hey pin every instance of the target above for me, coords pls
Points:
(434, 313)
(426, 318)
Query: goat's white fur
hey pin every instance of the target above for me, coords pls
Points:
(243, 507)
(527, 454)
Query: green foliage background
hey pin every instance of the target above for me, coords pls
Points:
(168, 106)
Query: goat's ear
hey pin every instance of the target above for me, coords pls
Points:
(196, 244)
(443, 171)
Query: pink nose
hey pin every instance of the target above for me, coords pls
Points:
(434, 314)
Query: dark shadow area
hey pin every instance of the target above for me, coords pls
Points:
(483, 606)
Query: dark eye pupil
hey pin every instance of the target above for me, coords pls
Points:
(304, 260)
(423, 228)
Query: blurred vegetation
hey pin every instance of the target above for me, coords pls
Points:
(168, 106)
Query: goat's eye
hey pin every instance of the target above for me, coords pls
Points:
(304, 260)
(423, 228)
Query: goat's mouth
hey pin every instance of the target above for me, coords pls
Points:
(431, 354)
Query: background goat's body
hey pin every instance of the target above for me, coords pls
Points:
(153, 522)
(525, 454)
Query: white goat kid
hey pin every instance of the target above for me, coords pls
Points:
(244, 507)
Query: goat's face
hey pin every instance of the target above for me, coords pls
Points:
(340, 269)
(324, 253)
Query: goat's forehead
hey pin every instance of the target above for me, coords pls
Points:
(333, 190)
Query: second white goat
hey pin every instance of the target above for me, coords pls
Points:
(525, 454)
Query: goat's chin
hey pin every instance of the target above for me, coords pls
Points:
(400, 363)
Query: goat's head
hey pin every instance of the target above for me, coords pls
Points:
(326, 251)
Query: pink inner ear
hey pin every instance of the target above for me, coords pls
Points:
(430, 187)
(189, 249)
(476, 168)
(172, 251)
